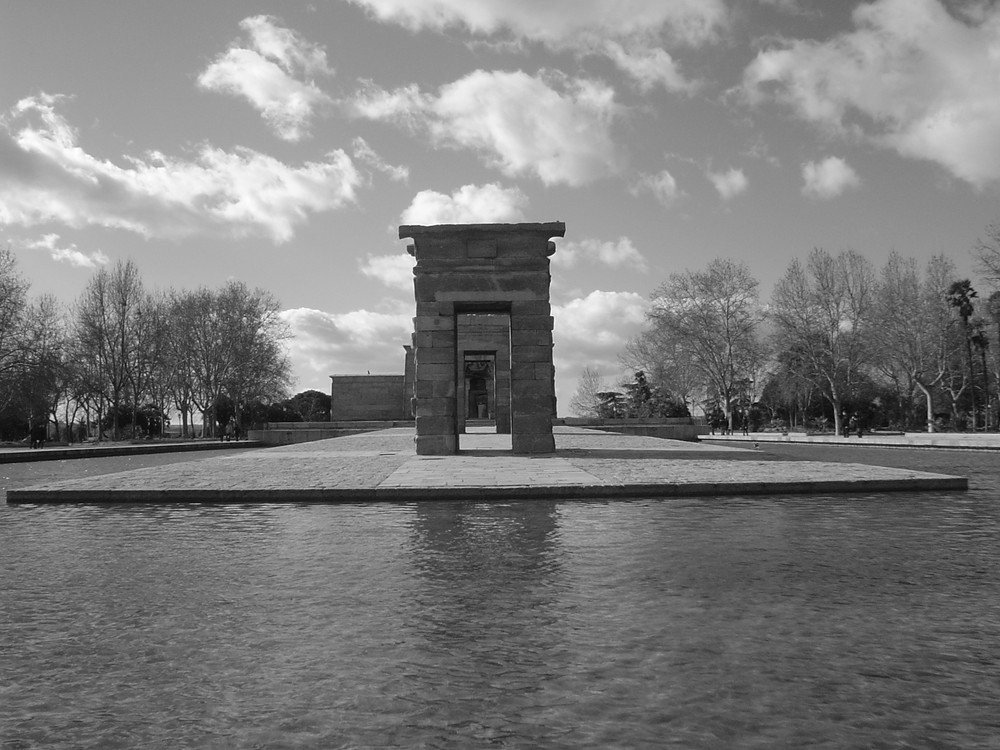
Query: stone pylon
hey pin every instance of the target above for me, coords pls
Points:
(483, 268)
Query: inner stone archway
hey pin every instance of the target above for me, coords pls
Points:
(466, 269)
(483, 356)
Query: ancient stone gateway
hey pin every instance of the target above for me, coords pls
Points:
(494, 269)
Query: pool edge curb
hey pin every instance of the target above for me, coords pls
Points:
(29, 495)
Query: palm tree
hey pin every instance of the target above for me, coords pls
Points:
(960, 295)
(981, 341)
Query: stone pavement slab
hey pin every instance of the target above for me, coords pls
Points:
(384, 466)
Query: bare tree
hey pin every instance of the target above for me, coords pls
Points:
(91, 323)
(258, 365)
(913, 322)
(108, 329)
(227, 343)
(667, 362)
(157, 362)
(987, 252)
(586, 402)
(993, 310)
(178, 356)
(13, 300)
(712, 318)
(823, 311)
(786, 386)
(200, 334)
(44, 377)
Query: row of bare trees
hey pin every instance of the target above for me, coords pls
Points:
(123, 356)
(30, 343)
(854, 334)
(902, 346)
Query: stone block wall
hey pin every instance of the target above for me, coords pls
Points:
(369, 397)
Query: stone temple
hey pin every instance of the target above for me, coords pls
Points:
(482, 341)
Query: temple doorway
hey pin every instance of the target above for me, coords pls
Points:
(480, 388)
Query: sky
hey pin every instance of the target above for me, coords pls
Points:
(283, 143)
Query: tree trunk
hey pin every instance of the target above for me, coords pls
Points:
(972, 376)
(929, 398)
(986, 390)
(835, 400)
(996, 376)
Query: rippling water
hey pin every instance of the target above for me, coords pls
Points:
(785, 622)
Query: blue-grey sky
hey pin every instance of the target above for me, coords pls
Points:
(281, 143)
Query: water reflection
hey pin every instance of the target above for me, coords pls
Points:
(485, 615)
(483, 565)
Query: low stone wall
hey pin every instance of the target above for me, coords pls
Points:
(287, 433)
(670, 428)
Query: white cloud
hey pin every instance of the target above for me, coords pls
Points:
(789, 6)
(285, 46)
(63, 252)
(405, 105)
(590, 332)
(599, 320)
(828, 178)
(649, 67)
(729, 183)
(366, 155)
(470, 204)
(628, 32)
(662, 185)
(267, 74)
(910, 77)
(614, 254)
(352, 343)
(49, 177)
(552, 126)
(395, 271)
(561, 23)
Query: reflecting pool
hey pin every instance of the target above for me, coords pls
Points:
(694, 623)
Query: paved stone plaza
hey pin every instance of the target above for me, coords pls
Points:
(384, 466)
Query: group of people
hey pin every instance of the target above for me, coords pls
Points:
(851, 424)
(717, 421)
(37, 436)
